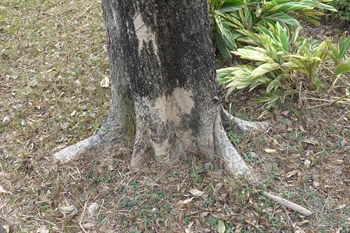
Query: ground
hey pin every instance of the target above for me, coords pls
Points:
(54, 85)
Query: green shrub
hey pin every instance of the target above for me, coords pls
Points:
(277, 59)
(338, 54)
(343, 8)
(228, 17)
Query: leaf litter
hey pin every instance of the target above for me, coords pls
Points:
(53, 63)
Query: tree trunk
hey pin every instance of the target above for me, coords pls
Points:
(163, 83)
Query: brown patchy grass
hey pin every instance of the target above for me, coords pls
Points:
(52, 59)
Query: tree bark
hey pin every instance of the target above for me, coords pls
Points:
(163, 83)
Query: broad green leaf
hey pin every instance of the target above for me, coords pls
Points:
(226, 39)
(232, 19)
(248, 17)
(295, 65)
(321, 50)
(308, 19)
(226, 70)
(281, 1)
(274, 84)
(343, 47)
(231, 5)
(326, 7)
(283, 38)
(258, 82)
(292, 6)
(282, 18)
(250, 54)
(342, 68)
(264, 68)
(317, 84)
(315, 60)
(221, 45)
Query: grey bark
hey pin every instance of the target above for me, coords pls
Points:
(163, 82)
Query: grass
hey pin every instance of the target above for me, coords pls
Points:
(52, 60)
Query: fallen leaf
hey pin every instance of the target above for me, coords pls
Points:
(6, 120)
(301, 128)
(105, 82)
(147, 182)
(221, 227)
(307, 163)
(220, 216)
(311, 141)
(298, 230)
(93, 209)
(183, 202)
(66, 209)
(343, 142)
(42, 229)
(2, 190)
(174, 211)
(88, 225)
(342, 206)
(339, 161)
(270, 151)
(292, 173)
(188, 229)
(196, 192)
(203, 215)
(303, 222)
(285, 113)
(315, 184)
(217, 188)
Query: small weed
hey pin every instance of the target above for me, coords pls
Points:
(212, 221)
(128, 204)
(160, 195)
(196, 176)
(121, 188)
(186, 220)
(233, 138)
(172, 174)
(206, 203)
(298, 136)
(135, 185)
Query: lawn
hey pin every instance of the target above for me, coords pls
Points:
(53, 73)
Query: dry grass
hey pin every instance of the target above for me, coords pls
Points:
(52, 59)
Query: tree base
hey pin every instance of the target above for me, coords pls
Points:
(104, 143)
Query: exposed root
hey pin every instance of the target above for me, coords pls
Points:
(238, 126)
(233, 161)
(99, 143)
(288, 204)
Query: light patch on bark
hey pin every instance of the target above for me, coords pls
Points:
(173, 107)
(167, 134)
(144, 33)
(161, 150)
